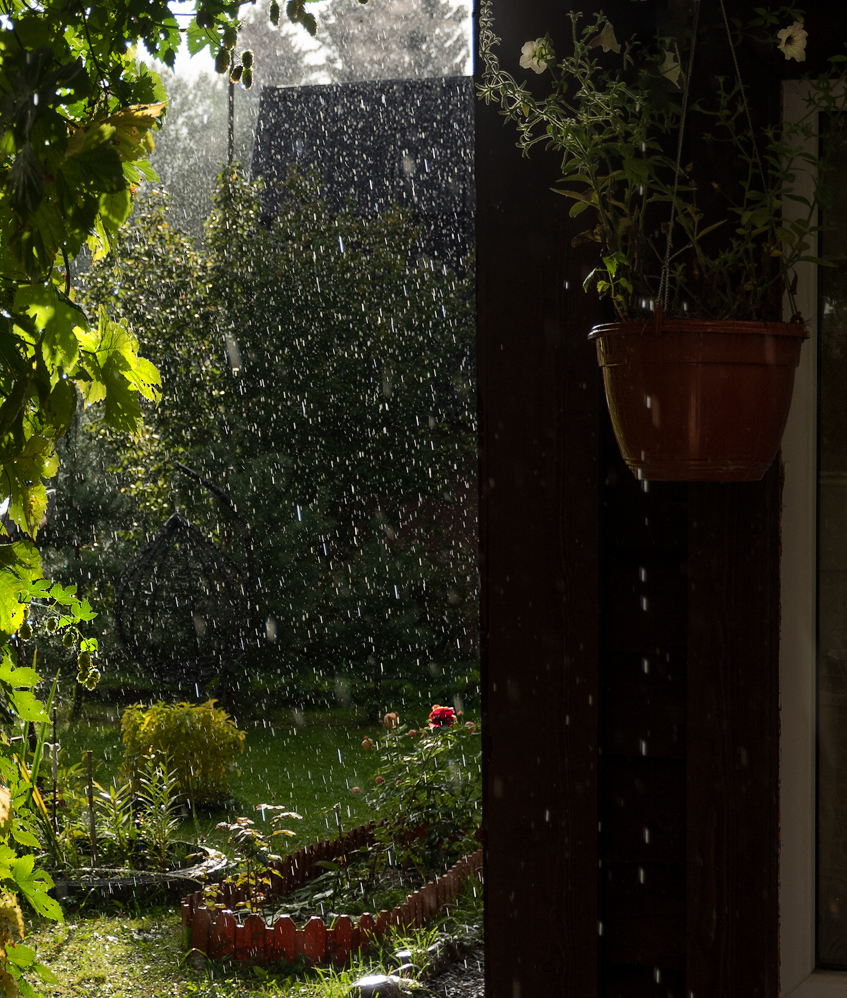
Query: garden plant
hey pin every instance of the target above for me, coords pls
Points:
(426, 813)
(671, 227)
(197, 742)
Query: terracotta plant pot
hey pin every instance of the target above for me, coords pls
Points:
(698, 401)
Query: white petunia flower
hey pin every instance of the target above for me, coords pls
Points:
(670, 68)
(607, 39)
(792, 41)
(529, 56)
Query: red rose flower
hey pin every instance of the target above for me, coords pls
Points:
(441, 717)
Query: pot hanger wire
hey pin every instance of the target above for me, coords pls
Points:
(664, 283)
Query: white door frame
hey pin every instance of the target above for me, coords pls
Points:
(797, 658)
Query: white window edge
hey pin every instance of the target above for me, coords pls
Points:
(797, 680)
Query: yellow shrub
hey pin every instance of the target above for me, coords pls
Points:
(199, 742)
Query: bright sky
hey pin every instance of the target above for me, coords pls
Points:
(193, 66)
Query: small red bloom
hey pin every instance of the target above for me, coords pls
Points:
(441, 717)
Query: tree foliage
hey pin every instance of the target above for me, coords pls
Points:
(76, 112)
(324, 377)
(395, 39)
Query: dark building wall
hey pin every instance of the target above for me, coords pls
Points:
(384, 143)
(630, 635)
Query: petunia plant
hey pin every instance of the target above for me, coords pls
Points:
(622, 115)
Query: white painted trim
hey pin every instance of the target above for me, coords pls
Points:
(797, 669)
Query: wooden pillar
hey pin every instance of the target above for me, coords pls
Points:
(733, 740)
(539, 405)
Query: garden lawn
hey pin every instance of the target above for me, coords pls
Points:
(306, 762)
(126, 956)
(119, 954)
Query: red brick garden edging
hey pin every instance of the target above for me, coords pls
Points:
(217, 934)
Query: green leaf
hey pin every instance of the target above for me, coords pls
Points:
(24, 676)
(21, 956)
(57, 316)
(818, 261)
(19, 565)
(24, 838)
(27, 706)
(26, 181)
(34, 886)
(199, 38)
(115, 208)
(45, 973)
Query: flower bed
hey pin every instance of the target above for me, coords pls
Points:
(216, 933)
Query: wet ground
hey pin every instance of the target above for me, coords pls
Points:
(465, 979)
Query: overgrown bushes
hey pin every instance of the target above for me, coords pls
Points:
(199, 742)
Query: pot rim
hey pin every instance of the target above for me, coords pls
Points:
(660, 325)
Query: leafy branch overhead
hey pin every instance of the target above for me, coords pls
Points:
(78, 109)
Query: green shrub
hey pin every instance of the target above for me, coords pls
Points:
(198, 742)
(428, 788)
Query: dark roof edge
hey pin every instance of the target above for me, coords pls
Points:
(370, 84)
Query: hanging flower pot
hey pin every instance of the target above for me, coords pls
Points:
(690, 399)
(695, 400)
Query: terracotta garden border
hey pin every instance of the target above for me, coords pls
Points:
(217, 934)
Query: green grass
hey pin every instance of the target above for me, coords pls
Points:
(120, 954)
(139, 956)
(306, 762)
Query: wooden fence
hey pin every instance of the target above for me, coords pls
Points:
(217, 934)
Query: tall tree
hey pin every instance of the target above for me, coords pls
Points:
(327, 383)
(395, 39)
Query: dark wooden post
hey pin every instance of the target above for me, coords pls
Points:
(539, 404)
(733, 739)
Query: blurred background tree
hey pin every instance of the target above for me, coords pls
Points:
(326, 382)
(394, 39)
